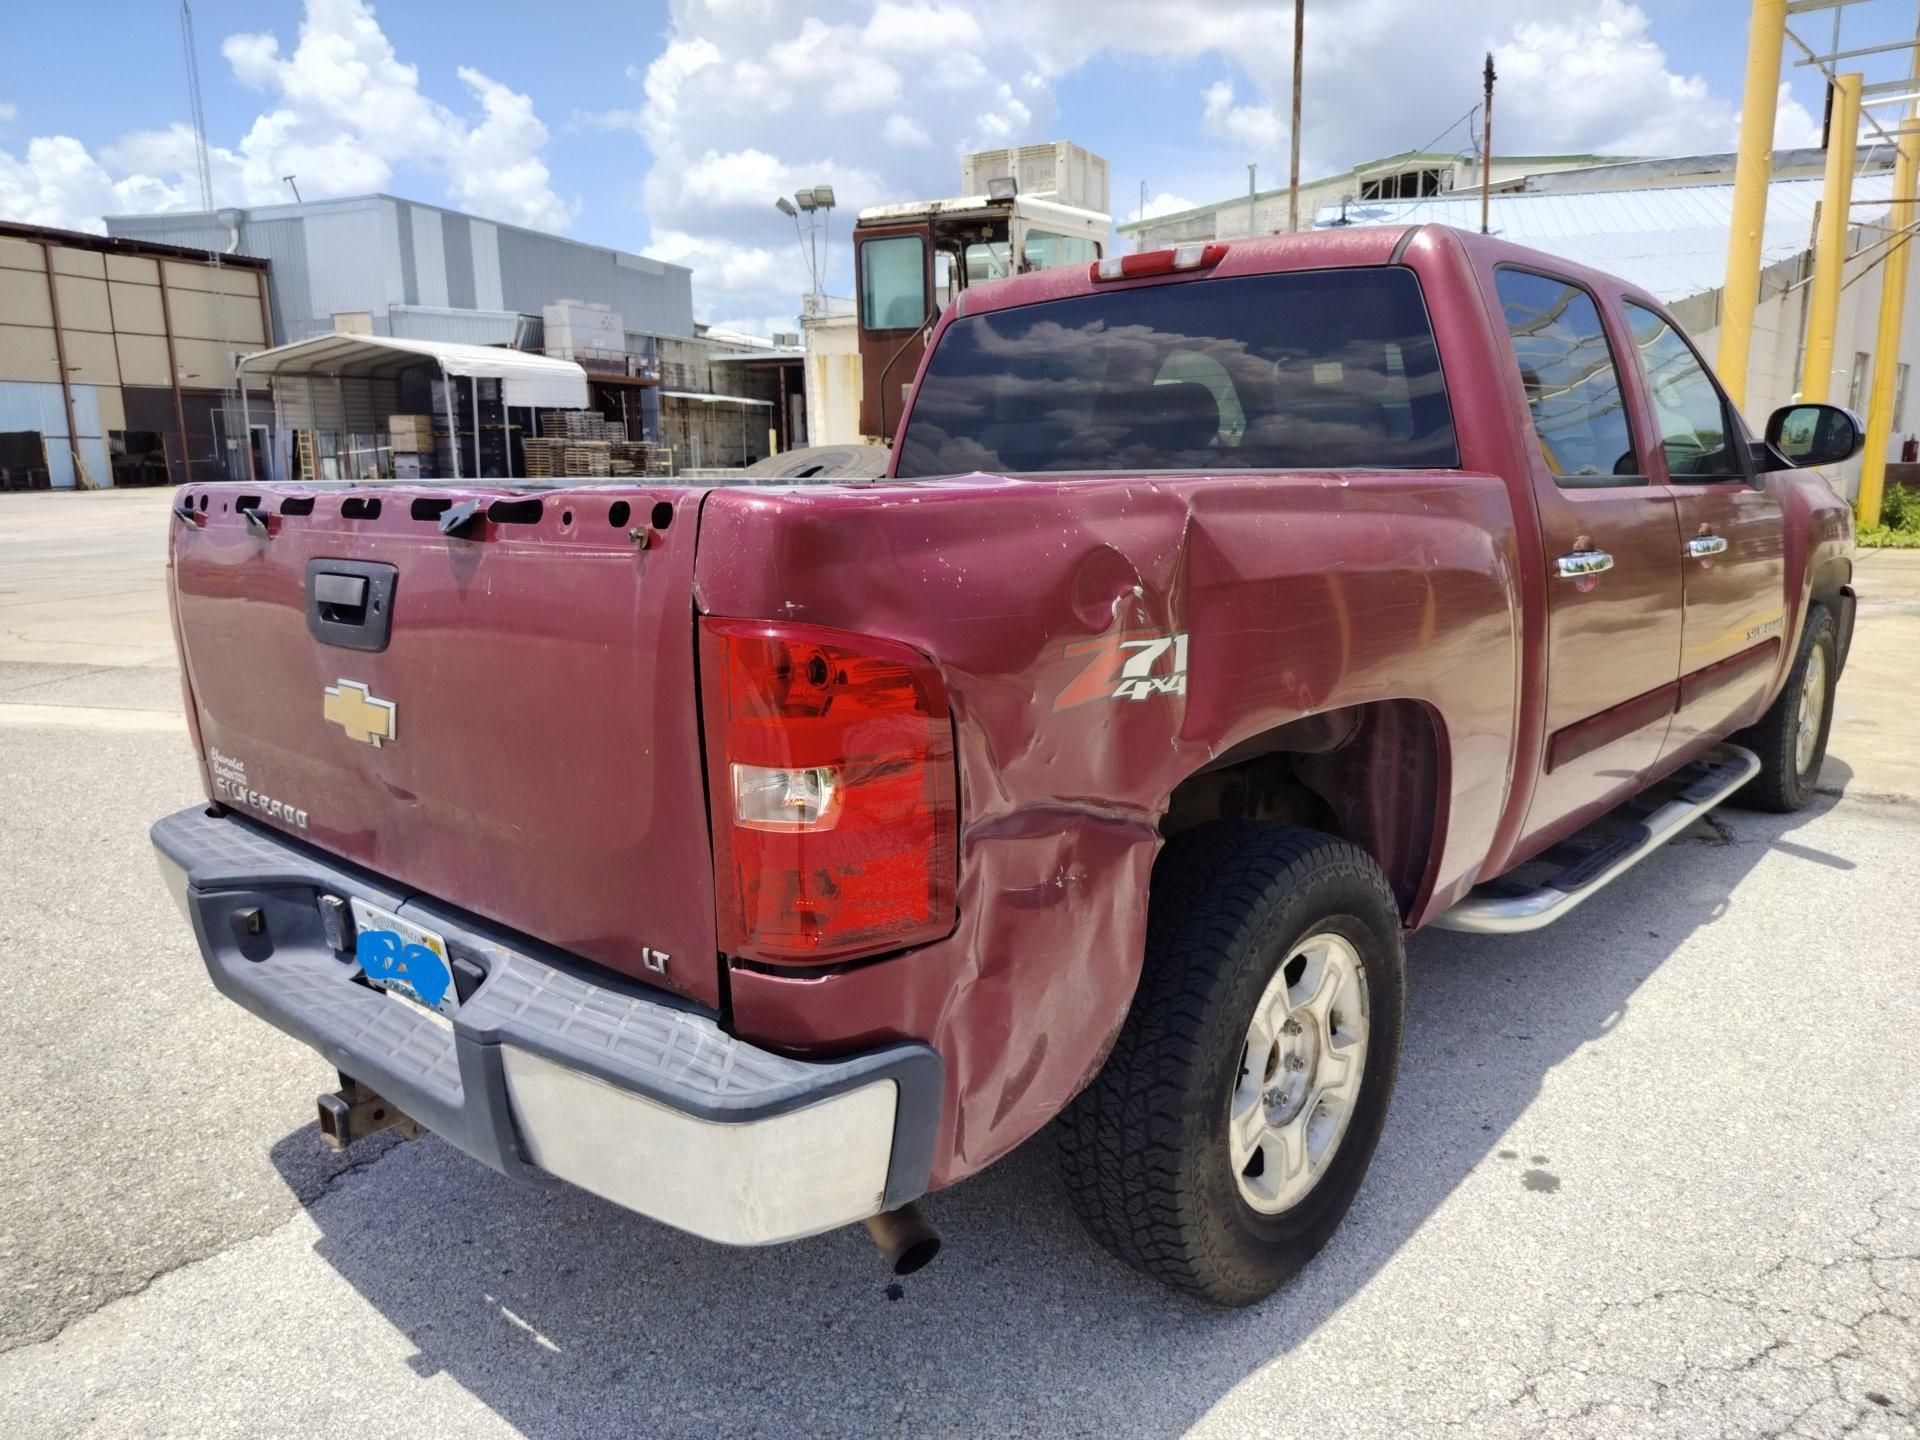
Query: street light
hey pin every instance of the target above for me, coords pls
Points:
(815, 200)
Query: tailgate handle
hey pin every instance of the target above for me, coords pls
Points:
(350, 603)
(341, 592)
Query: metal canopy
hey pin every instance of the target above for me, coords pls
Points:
(525, 380)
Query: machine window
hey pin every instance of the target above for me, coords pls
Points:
(893, 282)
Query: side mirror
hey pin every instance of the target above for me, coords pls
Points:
(1804, 435)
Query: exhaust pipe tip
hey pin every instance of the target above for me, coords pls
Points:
(906, 1237)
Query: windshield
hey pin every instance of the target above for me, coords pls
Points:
(1328, 369)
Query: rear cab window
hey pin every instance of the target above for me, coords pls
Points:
(1571, 381)
(1324, 370)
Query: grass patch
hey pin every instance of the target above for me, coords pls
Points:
(1885, 537)
(1899, 527)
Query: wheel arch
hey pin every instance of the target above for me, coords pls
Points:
(1373, 773)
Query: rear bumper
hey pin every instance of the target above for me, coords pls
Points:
(551, 1067)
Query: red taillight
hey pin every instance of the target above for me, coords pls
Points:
(830, 767)
(1157, 262)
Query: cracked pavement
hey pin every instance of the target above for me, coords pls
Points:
(1652, 1172)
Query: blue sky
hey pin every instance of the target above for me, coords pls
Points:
(549, 116)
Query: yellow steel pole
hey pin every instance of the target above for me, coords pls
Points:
(1752, 169)
(1886, 345)
(1830, 249)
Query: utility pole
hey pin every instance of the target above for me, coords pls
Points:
(1293, 133)
(1251, 227)
(1486, 142)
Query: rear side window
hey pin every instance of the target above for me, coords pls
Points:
(1572, 385)
(1328, 369)
(893, 288)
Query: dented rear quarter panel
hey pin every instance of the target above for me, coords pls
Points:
(1299, 594)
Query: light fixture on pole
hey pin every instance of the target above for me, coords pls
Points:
(814, 202)
(823, 206)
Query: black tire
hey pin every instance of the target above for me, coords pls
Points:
(821, 462)
(1783, 784)
(1143, 1150)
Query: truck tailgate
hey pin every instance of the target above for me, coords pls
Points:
(525, 745)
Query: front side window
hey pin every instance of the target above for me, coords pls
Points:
(1694, 430)
(1572, 385)
(893, 282)
(1328, 369)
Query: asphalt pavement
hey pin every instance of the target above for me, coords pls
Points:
(1654, 1171)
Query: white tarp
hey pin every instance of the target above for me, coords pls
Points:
(525, 380)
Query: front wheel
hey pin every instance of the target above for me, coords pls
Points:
(1229, 1130)
(1791, 738)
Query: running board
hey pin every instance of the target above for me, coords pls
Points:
(1707, 781)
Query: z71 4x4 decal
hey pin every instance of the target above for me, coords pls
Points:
(1128, 666)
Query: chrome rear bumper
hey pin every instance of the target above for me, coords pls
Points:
(552, 1067)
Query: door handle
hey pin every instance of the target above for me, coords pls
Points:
(1582, 562)
(1702, 546)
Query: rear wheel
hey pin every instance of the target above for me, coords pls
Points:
(1230, 1128)
(1791, 739)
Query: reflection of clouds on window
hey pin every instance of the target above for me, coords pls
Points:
(1690, 409)
(1567, 371)
(1333, 369)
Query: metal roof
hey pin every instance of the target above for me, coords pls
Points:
(1669, 240)
(537, 380)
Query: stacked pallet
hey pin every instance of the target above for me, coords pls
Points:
(573, 425)
(544, 457)
(641, 457)
(587, 457)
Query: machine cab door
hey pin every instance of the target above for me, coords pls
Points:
(1612, 552)
(894, 266)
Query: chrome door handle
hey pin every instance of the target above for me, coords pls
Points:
(1701, 546)
(1582, 562)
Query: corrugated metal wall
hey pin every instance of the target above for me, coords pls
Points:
(371, 253)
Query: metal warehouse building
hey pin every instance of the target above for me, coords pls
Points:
(388, 266)
(117, 359)
(384, 266)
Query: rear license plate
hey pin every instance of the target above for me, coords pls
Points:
(397, 955)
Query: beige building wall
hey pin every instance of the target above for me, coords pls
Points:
(115, 320)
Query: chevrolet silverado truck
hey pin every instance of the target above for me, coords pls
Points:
(763, 859)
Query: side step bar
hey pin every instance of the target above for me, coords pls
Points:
(1709, 780)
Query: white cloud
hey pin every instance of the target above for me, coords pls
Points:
(1165, 203)
(1254, 127)
(7, 111)
(930, 30)
(904, 130)
(881, 98)
(345, 112)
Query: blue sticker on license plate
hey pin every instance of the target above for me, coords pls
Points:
(408, 959)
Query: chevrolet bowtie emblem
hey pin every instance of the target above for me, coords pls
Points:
(365, 717)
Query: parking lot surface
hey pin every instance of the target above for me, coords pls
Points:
(1654, 1171)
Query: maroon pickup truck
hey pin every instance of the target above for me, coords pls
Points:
(763, 859)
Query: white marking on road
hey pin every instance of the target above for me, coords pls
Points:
(92, 717)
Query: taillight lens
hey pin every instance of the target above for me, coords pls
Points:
(831, 759)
